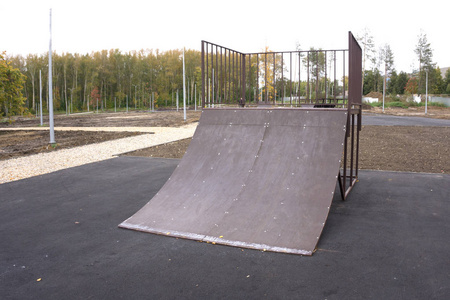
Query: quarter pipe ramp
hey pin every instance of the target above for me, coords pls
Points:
(253, 178)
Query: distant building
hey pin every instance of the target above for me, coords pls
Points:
(443, 71)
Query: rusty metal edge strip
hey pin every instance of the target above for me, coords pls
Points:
(216, 240)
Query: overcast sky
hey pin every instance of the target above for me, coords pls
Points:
(248, 26)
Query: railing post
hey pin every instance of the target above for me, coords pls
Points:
(243, 85)
(203, 74)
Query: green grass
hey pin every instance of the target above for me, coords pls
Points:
(435, 104)
(396, 104)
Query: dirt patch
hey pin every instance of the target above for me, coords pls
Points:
(132, 119)
(405, 148)
(396, 148)
(26, 142)
(434, 112)
(389, 148)
(21, 143)
(169, 150)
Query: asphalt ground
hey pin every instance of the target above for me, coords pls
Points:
(60, 240)
(389, 120)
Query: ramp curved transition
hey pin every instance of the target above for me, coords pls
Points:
(252, 178)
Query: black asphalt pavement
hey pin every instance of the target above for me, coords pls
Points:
(60, 240)
(389, 120)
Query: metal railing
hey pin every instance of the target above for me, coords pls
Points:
(295, 78)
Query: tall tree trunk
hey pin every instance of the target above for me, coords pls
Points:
(84, 94)
(32, 85)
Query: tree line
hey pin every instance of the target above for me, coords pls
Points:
(152, 78)
(382, 73)
(111, 79)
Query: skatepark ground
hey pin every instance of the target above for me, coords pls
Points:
(60, 239)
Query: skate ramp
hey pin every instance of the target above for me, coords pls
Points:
(253, 178)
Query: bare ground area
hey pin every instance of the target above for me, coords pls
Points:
(432, 111)
(131, 119)
(27, 142)
(389, 148)
(395, 148)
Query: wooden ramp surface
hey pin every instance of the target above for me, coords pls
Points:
(253, 178)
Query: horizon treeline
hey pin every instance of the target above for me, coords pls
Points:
(110, 77)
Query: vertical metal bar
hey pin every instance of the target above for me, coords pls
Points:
(207, 75)
(250, 78)
(257, 78)
(227, 88)
(231, 76)
(317, 75)
(335, 82)
(343, 79)
(244, 85)
(290, 77)
(203, 74)
(274, 81)
(239, 57)
(233, 80)
(326, 91)
(238, 75)
(307, 81)
(212, 72)
(352, 151)
(224, 76)
(217, 75)
(357, 141)
(265, 77)
(237, 78)
(299, 77)
(344, 184)
(282, 78)
(221, 74)
(234, 77)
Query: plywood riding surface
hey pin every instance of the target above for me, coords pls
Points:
(253, 178)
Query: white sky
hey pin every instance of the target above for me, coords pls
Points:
(84, 26)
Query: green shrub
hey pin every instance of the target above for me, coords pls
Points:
(435, 104)
(396, 104)
(376, 104)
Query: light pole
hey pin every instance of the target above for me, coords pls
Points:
(40, 97)
(134, 97)
(426, 91)
(184, 88)
(50, 87)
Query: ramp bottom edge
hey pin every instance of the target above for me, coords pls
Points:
(214, 240)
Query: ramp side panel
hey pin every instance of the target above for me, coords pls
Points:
(204, 184)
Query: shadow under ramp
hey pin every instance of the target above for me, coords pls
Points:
(252, 178)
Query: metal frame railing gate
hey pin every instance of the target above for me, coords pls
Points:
(223, 75)
(349, 175)
(290, 78)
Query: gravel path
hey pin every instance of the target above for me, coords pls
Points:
(43, 163)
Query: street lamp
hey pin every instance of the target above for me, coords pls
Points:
(426, 91)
